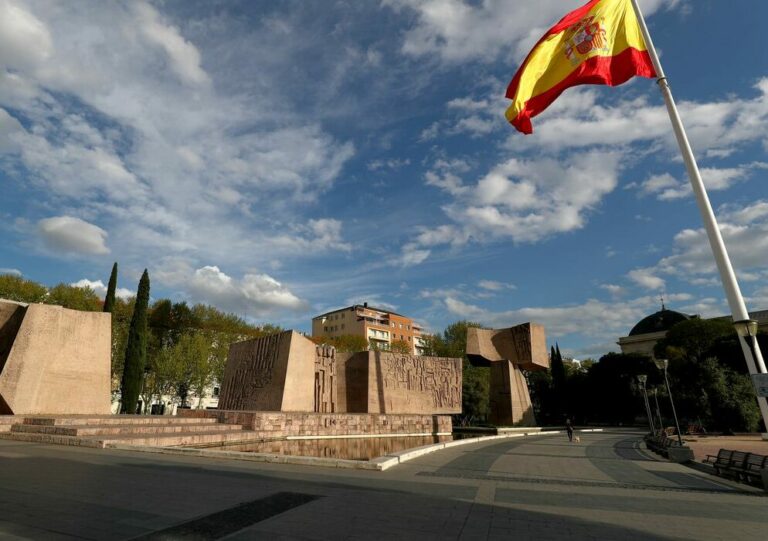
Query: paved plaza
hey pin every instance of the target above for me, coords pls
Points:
(543, 487)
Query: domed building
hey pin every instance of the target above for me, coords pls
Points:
(653, 328)
(650, 330)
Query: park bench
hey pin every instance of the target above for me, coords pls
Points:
(721, 460)
(743, 466)
(753, 466)
(660, 444)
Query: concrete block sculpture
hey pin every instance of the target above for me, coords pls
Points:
(54, 360)
(290, 373)
(506, 352)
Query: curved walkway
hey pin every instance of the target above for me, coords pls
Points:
(605, 487)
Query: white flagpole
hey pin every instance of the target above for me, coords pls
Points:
(751, 349)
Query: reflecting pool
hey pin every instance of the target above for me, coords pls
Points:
(341, 448)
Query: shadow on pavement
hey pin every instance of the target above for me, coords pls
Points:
(57, 498)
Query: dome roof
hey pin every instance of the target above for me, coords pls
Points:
(663, 320)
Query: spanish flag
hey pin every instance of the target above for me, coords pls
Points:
(599, 43)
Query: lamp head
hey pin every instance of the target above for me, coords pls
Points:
(746, 328)
(642, 378)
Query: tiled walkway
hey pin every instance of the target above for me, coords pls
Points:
(533, 488)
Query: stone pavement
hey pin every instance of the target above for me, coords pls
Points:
(539, 488)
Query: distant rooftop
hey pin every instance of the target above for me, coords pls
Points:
(363, 306)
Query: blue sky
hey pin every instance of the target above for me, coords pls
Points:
(281, 159)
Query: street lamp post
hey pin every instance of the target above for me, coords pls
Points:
(641, 380)
(672, 403)
(658, 409)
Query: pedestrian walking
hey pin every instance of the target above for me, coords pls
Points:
(569, 429)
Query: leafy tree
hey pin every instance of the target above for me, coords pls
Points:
(136, 349)
(475, 380)
(74, 297)
(122, 312)
(559, 390)
(708, 375)
(612, 394)
(400, 346)
(542, 400)
(196, 349)
(109, 299)
(693, 339)
(344, 343)
(16, 288)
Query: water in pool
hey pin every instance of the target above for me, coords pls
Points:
(347, 448)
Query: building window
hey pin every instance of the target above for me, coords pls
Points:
(409, 338)
(215, 391)
(342, 315)
(325, 329)
(342, 326)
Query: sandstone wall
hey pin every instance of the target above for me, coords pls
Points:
(277, 424)
(402, 383)
(58, 360)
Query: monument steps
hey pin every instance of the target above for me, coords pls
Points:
(184, 438)
(155, 420)
(115, 429)
(51, 439)
(7, 421)
(102, 431)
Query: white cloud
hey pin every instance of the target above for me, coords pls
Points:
(373, 300)
(184, 56)
(12, 272)
(445, 174)
(667, 188)
(24, 40)
(124, 129)
(69, 234)
(646, 279)
(745, 233)
(601, 321)
(257, 295)
(492, 285)
(525, 200)
(531, 199)
(392, 163)
(593, 318)
(459, 31)
(316, 236)
(613, 289)
(100, 289)
(576, 121)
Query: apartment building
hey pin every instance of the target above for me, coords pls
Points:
(380, 327)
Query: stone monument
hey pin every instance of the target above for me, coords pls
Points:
(506, 351)
(54, 360)
(290, 373)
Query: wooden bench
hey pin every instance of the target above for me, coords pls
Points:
(753, 466)
(743, 466)
(660, 444)
(721, 460)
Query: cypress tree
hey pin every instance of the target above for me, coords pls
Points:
(109, 300)
(136, 349)
(558, 379)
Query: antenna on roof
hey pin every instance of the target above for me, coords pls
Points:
(662, 303)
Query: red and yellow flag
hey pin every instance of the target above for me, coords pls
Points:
(599, 43)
